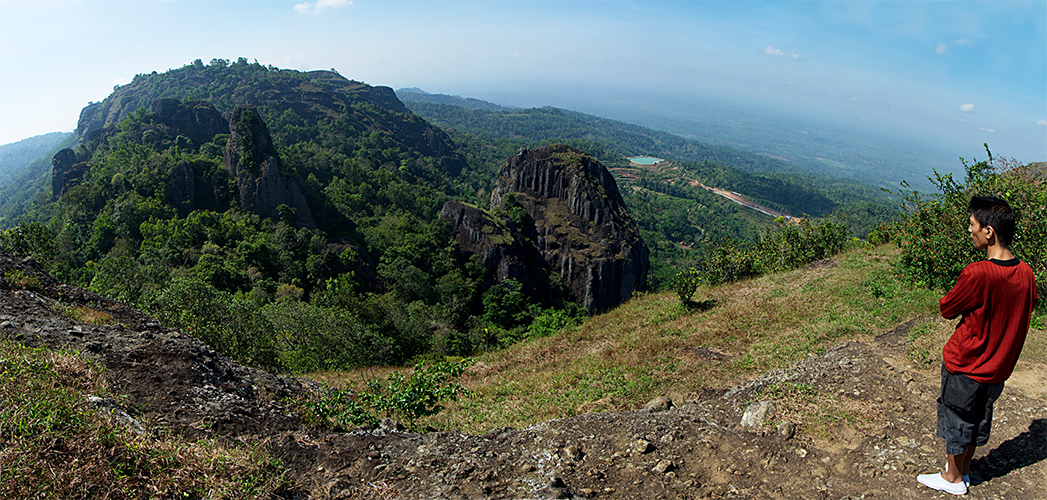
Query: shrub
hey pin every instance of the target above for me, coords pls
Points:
(933, 231)
(32, 239)
(232, 325)
(408, 398)
(550, 322)
(686, 282)
(419, 394)
(311, 338)
(787, 246)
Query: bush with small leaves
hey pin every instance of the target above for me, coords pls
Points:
(686, 282)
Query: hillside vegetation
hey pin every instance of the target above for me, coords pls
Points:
(17, 155)
(705, 348)
(148, 209)
(62, 447)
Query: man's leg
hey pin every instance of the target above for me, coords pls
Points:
(952, 480)
(957, 466)
(964, 461)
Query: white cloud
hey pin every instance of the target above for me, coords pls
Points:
(961, 120)
(771, 51)
(944, 47)
(967, 108)
(321, 5)
(1042, 123)
(990, 130)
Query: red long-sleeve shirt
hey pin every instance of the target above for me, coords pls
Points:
(995, 299)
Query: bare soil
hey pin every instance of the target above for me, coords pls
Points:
(871, 444)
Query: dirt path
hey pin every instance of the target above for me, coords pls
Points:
(868, 426)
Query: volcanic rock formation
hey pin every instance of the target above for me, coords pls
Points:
(577, 226)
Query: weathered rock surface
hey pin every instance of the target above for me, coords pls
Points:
(197, 120)
(312, 96)
(187, 190)
(251, 157)
(581, 227)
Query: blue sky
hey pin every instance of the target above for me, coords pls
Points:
(966, 72)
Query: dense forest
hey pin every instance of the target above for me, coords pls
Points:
(25, 170)
(144, 208)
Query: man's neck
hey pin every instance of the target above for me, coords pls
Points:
(998, 252)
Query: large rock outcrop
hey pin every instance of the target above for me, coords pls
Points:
(312, 96)
(250, 156)
(577, 227)
(197, 120)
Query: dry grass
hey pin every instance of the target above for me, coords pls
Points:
(820, 414)
(54, 445)
(84, 314)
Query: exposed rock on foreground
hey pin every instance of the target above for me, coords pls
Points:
(693, 450)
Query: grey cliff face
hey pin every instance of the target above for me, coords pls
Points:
(251, 157)
(579, 227)
(198, 120)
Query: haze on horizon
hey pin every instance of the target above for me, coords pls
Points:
(964, 73)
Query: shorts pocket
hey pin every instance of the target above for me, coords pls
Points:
(959, 391)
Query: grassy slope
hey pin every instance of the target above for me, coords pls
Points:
(653, 346)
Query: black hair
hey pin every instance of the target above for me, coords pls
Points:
(993, 212)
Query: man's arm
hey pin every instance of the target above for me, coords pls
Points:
(962, 298)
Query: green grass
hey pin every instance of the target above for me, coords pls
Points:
(653, 346)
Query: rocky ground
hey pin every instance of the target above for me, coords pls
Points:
(874, 408)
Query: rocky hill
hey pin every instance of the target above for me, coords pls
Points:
(722, 445)
(310, 97)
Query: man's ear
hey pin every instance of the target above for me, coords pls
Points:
(990, 234)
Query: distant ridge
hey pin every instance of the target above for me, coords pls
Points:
(417, 94)
(17, 155)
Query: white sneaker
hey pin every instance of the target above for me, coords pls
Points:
(937, 482)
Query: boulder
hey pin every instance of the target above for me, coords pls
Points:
(756, 414)
(495, 242)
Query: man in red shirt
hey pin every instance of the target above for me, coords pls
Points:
(995, 298)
